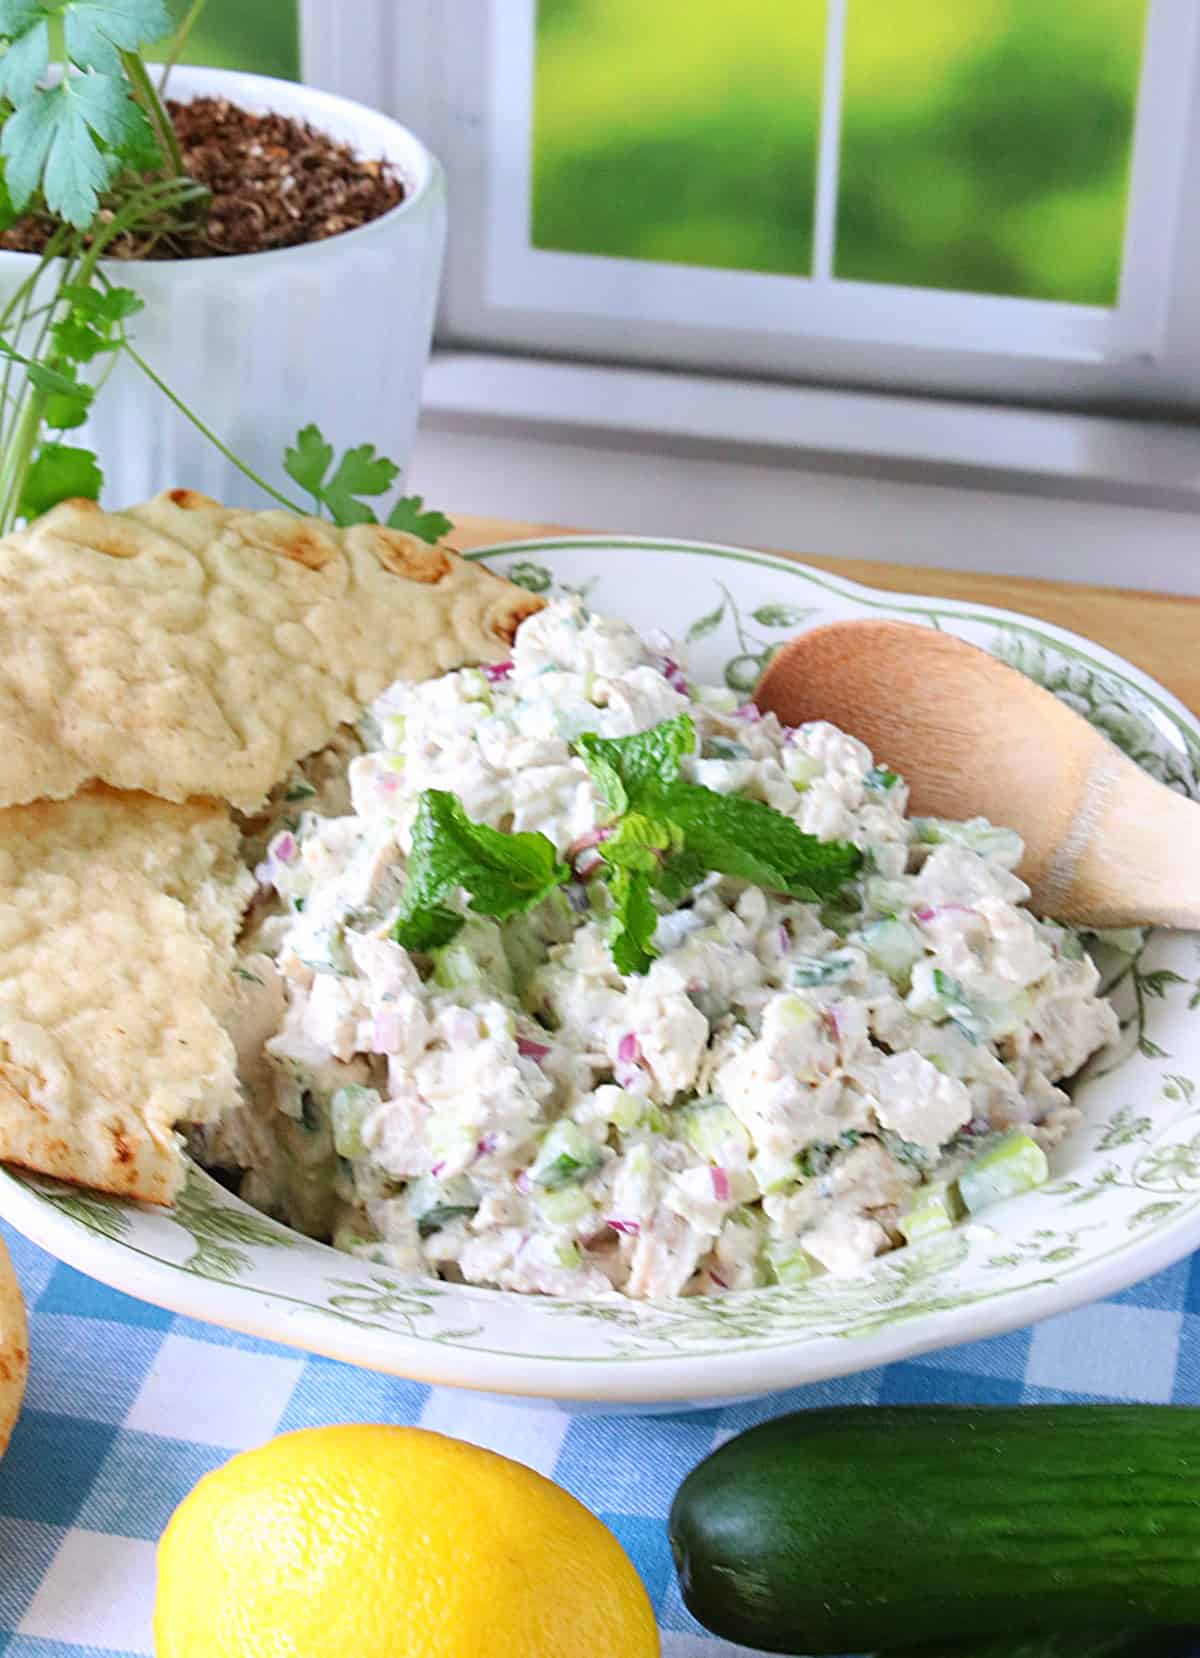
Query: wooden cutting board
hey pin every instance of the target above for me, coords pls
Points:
(1160, 632)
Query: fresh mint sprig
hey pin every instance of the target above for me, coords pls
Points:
(669, 833)
(503, 874)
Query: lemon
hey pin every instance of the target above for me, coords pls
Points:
(385, 1542)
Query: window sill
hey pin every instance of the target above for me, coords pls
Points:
(1083, 457)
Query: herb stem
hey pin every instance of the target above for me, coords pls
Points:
(178, 41)
(206, 431)
(150, 101)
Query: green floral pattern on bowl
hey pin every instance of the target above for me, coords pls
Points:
(1124, 1201)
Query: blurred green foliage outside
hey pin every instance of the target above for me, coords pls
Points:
(985, 143)
(258, 35)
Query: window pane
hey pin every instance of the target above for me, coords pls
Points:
(259, 35)
(986, 145)
(678, 130)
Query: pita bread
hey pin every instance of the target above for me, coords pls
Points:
(14, 1349)
(184, 648)
(118, 914)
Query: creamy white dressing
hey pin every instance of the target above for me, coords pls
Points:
(771, 1098)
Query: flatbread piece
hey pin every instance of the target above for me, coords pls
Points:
(118, 915)
(14, 1349)
(184, 648)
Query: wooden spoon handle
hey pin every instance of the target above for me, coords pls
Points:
(1131, 854)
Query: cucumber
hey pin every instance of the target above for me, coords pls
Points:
(1079, 1643)
(853, 1530)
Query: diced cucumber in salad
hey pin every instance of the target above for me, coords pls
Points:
(575, 1010)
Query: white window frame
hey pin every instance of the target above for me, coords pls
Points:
(455, 70)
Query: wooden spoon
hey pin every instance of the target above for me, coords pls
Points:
(1105, 845)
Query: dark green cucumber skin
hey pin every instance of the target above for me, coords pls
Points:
(879, 1528)
(1083, 1643)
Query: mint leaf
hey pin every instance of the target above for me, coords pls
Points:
(639, 843)
(359, 472)
(639, 763)
(307, 462)
(633, 921)
(503, 874)
(753, 842)
(407, 515)
(59, 474)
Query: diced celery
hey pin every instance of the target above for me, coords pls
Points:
(474, 957)
(565, 1205)
(885, 896)
(435, 1203)
(717, 698)
(880, 779)
(789, 1263)
(1014, 1164)
(348, 1111)
(893, 947)
(792, 1013)
(812, 970)
(711, 1127)
(774, 1171)
(724, 748)
(1127, 940)
(1002, 846)
(621, 1108)
(568, 1255)
(391, 728)
(566, 1155)
(475, 685)
(1072, 945)
(800, 768)
(934, 1209)
(323, 949)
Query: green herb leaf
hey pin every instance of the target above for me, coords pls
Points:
(79, 341)
(753, 842)
(307, 462)
(633, 921)
(28, 54)
(109, 305)
(98, 31)
(502, 874)
(59, 473)
(639, 764)
(640, 843)
(359, 472)
(407, 515)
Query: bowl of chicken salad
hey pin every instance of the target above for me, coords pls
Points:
(603, 1039)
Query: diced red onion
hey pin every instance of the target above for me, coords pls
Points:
(717, 1279)
(495, 672)
(783, 940)
(387, 782)
(674, 675)
(748, 711)
(592, 837)
(720, 1184)
(529, 1049)
(628, 1052)
(437, 1168)
(486, 1146)
(630, 1228)
(928, 913)
(523, 1182)
(283, 848)
(830, 1019)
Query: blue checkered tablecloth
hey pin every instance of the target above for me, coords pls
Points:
(128, 1406)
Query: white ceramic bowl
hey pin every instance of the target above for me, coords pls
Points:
(257, 345)
(1124, 1200)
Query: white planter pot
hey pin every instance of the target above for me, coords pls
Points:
(257, 345)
